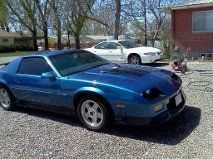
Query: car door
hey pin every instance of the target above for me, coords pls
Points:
(102, 50)
(30, 87)
(115, 52)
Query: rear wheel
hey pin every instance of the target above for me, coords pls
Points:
(134, 59)
(7, 101)
(93, 113)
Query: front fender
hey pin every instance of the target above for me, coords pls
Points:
(92, 90)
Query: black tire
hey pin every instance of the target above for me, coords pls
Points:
(106, 115)
(132, 58)
(11, 98)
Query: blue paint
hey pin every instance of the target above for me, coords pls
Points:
(118, 84)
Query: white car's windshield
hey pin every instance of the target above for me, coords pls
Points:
(128, 44)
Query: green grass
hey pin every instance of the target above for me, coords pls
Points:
(17, 53)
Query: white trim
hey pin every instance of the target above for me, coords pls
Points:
(192, 6)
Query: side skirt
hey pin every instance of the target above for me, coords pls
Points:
(48, 108)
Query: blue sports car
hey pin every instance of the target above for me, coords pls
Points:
(97, 91)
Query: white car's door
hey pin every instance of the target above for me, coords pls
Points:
(101, 50)
(116, 52)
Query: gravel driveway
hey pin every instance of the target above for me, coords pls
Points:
(27, 133)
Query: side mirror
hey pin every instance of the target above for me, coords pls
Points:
(119, 47)
(49, 75)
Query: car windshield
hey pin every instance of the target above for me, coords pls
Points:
(128, 44)
(72, 62)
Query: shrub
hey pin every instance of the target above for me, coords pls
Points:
(13, 48)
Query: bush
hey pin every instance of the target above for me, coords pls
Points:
(13, 48)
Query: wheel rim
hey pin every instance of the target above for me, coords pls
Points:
(134, 60)
(92, 113)
(4, 98)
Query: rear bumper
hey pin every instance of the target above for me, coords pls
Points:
(161, 118)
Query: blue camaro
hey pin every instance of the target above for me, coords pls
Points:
(97, 91)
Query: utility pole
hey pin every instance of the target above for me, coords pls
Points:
(145, 22)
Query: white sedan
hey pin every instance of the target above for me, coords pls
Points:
(124, 51)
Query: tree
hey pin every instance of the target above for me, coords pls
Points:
(56, 6)
(117, 18)
(4, 24)
(24, 12)
(78, 13)
(44, 12)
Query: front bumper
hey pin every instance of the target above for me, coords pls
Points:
(171, 111)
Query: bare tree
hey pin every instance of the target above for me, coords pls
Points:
(56, 6)
(117, 18)
(44, 12)
(24, 12)
(78, 13)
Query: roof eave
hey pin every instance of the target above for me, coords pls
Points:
(192, 6)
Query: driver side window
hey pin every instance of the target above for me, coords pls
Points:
(103, 45)
(34, 66)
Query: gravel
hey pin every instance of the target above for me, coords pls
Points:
(27, 133)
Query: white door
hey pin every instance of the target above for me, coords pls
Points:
(115, 52)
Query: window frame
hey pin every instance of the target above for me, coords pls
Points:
(52, 70)
(101, 44)
(206, 31)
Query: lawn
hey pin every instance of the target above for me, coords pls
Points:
(17, 53)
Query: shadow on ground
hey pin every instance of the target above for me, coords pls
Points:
(157, 64)
(170, 133)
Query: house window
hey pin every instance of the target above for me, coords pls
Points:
(202, 21)
(206, 55)
(5, 40)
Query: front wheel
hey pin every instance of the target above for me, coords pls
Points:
(93, 113)
(7, 100)
(134, 59)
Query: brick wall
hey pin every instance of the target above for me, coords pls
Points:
(184, 38)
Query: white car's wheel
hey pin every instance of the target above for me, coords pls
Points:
(134, 59)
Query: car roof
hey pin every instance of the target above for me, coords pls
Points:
(55, 52)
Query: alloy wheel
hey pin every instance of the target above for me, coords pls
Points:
(4, 98)
(92, 113)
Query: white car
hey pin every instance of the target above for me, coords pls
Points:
(124, 51)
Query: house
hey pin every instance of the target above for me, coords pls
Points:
(192, 28)
(6, 38)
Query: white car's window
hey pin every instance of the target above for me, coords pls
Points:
(113, 45)
(128, 44)
(103, 45)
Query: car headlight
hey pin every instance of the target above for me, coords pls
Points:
(151, 94)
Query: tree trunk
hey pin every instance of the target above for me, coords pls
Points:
(117, 18)
(68, 40)
(145, 23)
(153, 42)
(77, 41)
(35, 45)
(59, 39)
(46, 37)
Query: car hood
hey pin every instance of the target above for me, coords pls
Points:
(131, 77)
(143, 49)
